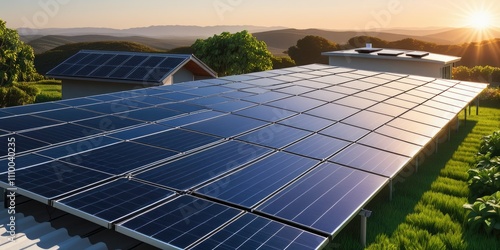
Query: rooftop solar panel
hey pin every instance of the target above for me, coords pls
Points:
(24, 161)
(60, 133)
(329, 191)
(226, 126)
(112, 201)
(232, 106)
(266, 97)
(120, 158)
(25, 122)
(108, 123)
(77, 147)
(368, 120)
(137, 132)
(67, 115)
(297, 104)
(189, 172)
(307, 122)
(149, 114)
(345, 132)
(324, 95)
(50, 180)
(33, 108)
(259, 180)
(178, 140)
(255, 232)
(266, 113)
(317, 146)
(333, 112)
(390, 144)
(275, 136)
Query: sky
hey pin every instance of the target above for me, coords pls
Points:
(322, 14)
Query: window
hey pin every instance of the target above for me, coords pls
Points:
(446, 72)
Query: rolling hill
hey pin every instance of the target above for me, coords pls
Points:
(464, 35)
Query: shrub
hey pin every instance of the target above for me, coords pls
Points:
(484, 214)
(485, 179)
(490, 145)
(18, 94)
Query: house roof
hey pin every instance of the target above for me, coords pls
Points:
(127, 67)
(285, 156)
(394, 54)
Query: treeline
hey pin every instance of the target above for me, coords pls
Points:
(486, 74)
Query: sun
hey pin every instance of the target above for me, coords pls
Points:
(480, 20)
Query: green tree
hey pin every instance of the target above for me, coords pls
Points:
(231, 54)
(308, 50)
(16, 64)
(280, 62)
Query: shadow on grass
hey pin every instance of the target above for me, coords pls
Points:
(408, 190)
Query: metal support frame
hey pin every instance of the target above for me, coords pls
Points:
(416, 163)
(465, 122)
(390, 190)
(437, 144)
(477, 106)
(364, 219)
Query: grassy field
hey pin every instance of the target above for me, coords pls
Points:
(426, 212)
(50, 91)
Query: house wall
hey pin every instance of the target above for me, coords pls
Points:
(389, 65)
(78, 88)
(182, 75)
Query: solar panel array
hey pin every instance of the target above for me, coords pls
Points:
(141, 67)
(282, 158)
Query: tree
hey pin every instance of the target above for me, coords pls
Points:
(308, 50)
(16, 64)
(231, 54)
(282, 62)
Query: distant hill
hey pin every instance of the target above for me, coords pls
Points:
(45, 43)
(48, 60)
(464, 35)
(280, 40)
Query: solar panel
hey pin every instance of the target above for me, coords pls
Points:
(255, 232)
(60, 133)
(317, 146)
(50, 180)
(329, 191)
(25, 122)
(179, 223)
(371, 160)
(113, 201)
(275, 136)
(390, 53)
(120, 158)
(259, 180)
(367, 50)
(417, 54)
(189, 172)
(281, 158)
(178, 140)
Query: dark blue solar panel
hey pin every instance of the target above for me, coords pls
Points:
(325, 198)
(61, 133)
(237, 94)
(333, 112)
(150, 114)
(77, 147)
(307, 122)
(324, 95)
(152, 61)
(85, 70)
(345, 132)
(4, 114)
(177, 96)
(275, 136)
(403, 135)
(210, 100)
(102, 59)
(226, 126)
(254, 183)
(135, 60)
(23, 144)
(196, 169)
(89, 58)
(356, 102)
(371, 160)
(68, 115)
(74, 59)
(295, 90)
(19, 123)
(23, 161)
(77, 101)
(191, 118)
(58, 70)
(157, 74)
(178, 140)
(49, 180)
(108, 123)
(138, 132)
(71, 70)
(297, 104)
(207, 91)
(114, 200)
(368, 120)
(171, 62)
(182, 107)
(255, 232)
(117, 60)
(317, 146)
(121, 72)
(105, 97)
(32, 108)
(150, 100)
(108, 108)
(266, 113)
(178, 223)
(232, 106)
(139, 73)
(389, 144)
(266, 97)
(120, 158)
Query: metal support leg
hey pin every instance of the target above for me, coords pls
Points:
(470, 107)
(449, 133)
(465, 122)
(364, 218)
(477, 106)
(458, 123)
(390, 190)
(437, 144)
(416, 163)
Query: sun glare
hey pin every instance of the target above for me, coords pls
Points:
(480, 20)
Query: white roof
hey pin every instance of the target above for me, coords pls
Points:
(430, 58)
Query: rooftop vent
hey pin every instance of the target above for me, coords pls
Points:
(390, 53)
(417, 54)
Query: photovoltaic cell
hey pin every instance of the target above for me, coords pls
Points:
(191, 118)
(23, 144)
(389, 144)
(415, 127)
(324, 95)
(68, 115)
(333, 112)
(178, 223)
(178, 140)
(226, 126)
(112, 201)
(77, 147)
(307, 122)
(24, 122)
(60, 133)
(297, 104)
(187, 173)
(150, 114)
(47, 181)
(24, 161)
(317, 146)
(137, 132)
(259, 180)
(403, 135)
(368, 120)
(371, 160)
(108, 123)
(325, 198)
(232, 106)
(275, 136)
(266, 97)
(120, 158)
(33, 108)
(345, 132)
(355, 102)
(255, 232)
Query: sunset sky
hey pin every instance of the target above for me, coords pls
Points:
(324, 14)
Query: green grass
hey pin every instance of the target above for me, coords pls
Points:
(50, 91)
(426, 211)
